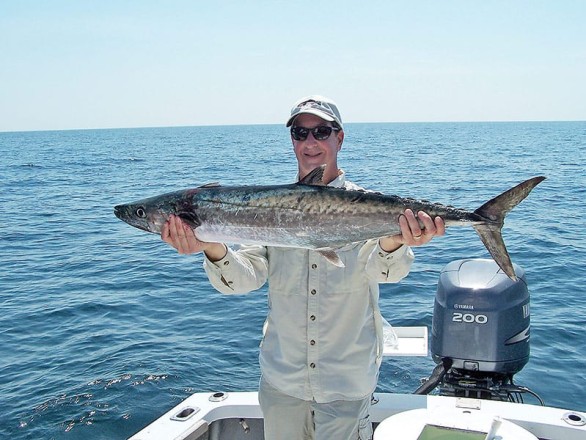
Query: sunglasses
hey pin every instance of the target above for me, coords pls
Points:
(320, 133)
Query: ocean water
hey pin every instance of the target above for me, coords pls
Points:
(104, 327)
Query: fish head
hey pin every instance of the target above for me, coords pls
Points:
(151, 214)
(141, 216)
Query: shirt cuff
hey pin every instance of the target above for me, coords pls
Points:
(397, 253)
(222, 264)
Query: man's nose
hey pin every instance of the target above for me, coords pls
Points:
(311, 138)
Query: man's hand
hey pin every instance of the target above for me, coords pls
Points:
(180, 236)
(411, 232)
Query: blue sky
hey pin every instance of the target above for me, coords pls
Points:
(104, 64)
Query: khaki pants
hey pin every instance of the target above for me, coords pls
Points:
(289, 418)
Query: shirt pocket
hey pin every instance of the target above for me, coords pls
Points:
(350, 278)
(288, 271)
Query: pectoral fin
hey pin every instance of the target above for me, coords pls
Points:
(190, 218)
(331, 255)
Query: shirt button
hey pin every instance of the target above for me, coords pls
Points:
(313, 291)
(312, 317)
(312, 342)
(314, 266)
(226, 263)
(312, 365)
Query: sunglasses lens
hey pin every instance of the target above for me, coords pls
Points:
(321, 133)
(299, 133)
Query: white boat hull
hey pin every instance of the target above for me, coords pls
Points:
(219, 416)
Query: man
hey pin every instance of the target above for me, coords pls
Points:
(322, 345)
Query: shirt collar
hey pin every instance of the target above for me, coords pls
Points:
(339, 181)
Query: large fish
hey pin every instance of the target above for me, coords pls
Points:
(310, 215)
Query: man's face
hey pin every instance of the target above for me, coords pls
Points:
(312, 153)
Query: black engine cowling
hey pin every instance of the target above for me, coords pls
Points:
(481, 318)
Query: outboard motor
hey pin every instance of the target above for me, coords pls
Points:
(481, 318)
(480, 331)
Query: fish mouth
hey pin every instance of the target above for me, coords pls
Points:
(118, 212)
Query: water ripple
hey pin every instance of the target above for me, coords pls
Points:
(104, 327)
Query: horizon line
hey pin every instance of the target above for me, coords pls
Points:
(260, 124)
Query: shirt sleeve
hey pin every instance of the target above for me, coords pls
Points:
(240, 271)
(389, 267)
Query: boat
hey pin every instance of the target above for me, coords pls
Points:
(479, 341)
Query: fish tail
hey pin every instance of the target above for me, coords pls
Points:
(494, 212)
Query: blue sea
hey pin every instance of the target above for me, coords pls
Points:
(104, 327)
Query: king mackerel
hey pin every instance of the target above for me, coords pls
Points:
(310, 215)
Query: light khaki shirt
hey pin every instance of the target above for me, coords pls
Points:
(323, 335)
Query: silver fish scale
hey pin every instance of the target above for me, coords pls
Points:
(304, 216)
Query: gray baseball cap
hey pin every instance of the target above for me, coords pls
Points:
(317, 105)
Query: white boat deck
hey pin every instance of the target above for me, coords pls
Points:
(218, 416)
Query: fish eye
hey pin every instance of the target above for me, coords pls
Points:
(140, 212)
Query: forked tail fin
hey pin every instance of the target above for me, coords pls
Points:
(495, 211)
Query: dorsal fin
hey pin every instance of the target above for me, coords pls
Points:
(315, 177)
(211, 185)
